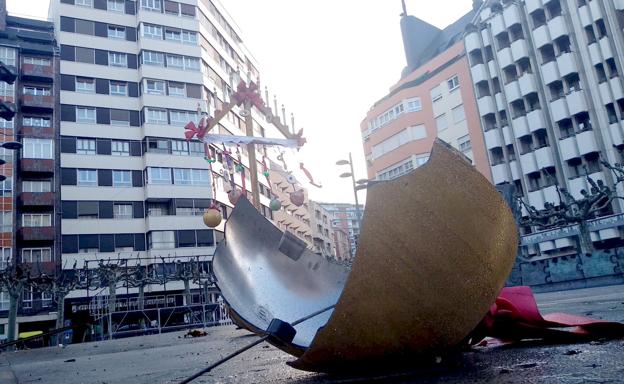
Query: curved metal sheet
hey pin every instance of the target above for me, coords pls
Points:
(260, 283)
(436, 247)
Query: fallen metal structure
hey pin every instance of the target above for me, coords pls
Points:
(436, 247)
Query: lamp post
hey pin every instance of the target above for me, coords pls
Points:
(355, 187)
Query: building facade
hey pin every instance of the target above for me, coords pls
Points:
(322, 231)
(433, 99)
(346, 218)
(133, 74)
(548, 78)
(30, 203)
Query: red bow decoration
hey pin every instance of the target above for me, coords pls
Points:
(309, 175)
(248, 93)
(515, 316)
(194, 131)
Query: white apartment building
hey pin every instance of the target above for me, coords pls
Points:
(547, 75)
(132, 75)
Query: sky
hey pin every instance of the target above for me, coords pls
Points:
(328, 62)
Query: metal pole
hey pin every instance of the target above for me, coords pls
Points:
(357, 204)
(251, 154)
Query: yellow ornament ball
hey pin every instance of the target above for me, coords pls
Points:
(212, 218)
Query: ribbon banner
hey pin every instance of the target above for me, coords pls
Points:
(237, 140)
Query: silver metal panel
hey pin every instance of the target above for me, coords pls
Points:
(261, 283)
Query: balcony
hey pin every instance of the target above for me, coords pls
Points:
(35, 71)
(527, 84)
(559, 109)
(586, 142)
(544, 157)
(576, 185)
(541, 36)
(36, 233)
(479, 73)
(492, 139)
(594, 53)
(616, 87)
(38, 101)
(550, 194)
(486, 105)
(536, 199)
(519, 49)
(536, 120)
(498, 24)
(507, 136)
(42, 132)
(36, 199)
(37, 165)
(568, 148)
(550, 72)
(520, 126)
(161, 223)
(566, 64)
(528, 162)
(515, 170)
(619, 4)
(557, 27)
(492, 67)
(585, 15)
(532, 5)
(511, 15)
(605, 48)
(595, 11)
(500, 174)
(616, 134)
(512, 91)
(505, 58)
(576, 102)
(472, 41)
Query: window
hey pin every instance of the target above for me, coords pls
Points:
(85, 85)
(436, 93)
(177, 89)
(200, 177)
(182, 176)
(152, 31)
(189, 37)
(116, 6)
(190, 177)
(36, 91)
(120, 117)
(86, 3)
(7, 55)
(37, 61)
(155, 87)
(175, 61)
(122, 211)
(196, 148)
(87, 177)
(120, 148)
(38, 148)
(453, 83)
(36, 255)
(36, 220)
(157, 145)
(122, 178)
(394, 172)
(118, 88)
(85, 115)
(413, 104)
(159, 175)
(117, 59)
(153, 58)
(151, 5)
(421, 160)
(156, 116)
(36, 186)
(88, 210)
(441, 122)
(179, 147)
(115, 32)
(85, 55)
(7, 89)
(6, 187)
(85, 146)
(181, 117)
(46, 299)
(5, 302)
(31, 121)
(191, 63)
(459, 114)
(464, 143)
(173, 34)
(161, 239)
(27, 297)
(5, 257)
(6, 221)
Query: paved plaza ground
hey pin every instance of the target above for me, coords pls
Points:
(168, 358)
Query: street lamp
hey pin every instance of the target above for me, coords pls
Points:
(10, 145)
(355, 189)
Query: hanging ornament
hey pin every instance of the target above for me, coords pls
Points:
(275, 204)
(297, 197)
(212, 217)
(239, 168)
(266, 173)
(234, 195)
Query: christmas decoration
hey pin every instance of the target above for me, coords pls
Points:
(275, 204)
(297, 197)
(212, 217)
(234, 195)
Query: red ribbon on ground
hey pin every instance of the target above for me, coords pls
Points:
(515, 317)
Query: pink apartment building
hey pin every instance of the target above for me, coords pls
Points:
(434, 98)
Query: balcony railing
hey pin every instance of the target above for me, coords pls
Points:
(34, 70)
(38, 101)
(36, 233)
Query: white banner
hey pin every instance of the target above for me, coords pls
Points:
(231, 139)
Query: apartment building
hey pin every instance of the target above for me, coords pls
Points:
(347, 219)
(322, 231)
(548, 79)
(133, 73)
(433, 98)
(30, 203)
